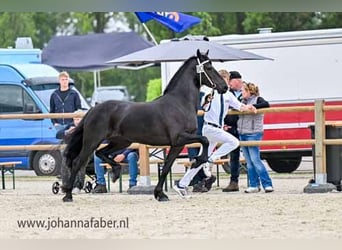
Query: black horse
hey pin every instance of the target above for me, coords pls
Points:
(168, 120)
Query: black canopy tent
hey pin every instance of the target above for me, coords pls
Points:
(91, 52)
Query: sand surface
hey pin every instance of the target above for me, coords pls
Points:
(288, 213)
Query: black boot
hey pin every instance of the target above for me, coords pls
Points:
(200, 187)
(116, 170)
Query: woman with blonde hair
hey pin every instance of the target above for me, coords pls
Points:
(250, 127)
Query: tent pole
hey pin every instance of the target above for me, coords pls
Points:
(99, 78)
(150, 34)
(95, 81)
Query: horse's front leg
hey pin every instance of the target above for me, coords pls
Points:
(172, 155)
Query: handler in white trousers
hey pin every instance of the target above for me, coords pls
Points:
(213, 130)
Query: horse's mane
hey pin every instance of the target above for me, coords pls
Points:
(179, 73)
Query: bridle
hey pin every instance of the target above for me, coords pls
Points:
(200, 70)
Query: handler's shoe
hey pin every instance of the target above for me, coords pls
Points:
(181, 191)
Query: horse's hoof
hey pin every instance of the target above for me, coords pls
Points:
(67, 199)
(164, 198)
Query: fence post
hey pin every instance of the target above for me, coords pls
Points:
(320, 185)
(145, 178)
(320, 151)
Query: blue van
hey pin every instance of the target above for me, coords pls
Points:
(25, 89)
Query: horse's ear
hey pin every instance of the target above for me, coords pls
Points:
(207, 53)
(198, 53)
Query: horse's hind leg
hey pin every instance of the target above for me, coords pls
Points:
(80, 162)
(158, 191)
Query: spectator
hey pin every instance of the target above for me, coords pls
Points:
(251, 129)
(230, 125)
(64, 100)
(129, 156)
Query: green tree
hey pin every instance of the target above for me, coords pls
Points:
(280, 21)
(330, 20)
(15, 25)
(153, 89)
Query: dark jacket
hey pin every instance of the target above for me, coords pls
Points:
(71, 103)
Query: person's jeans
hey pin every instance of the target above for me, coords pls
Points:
(256, 169)
(99, 171)
(131, 159)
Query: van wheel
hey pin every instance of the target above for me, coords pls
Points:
(47, 163)
(284, 165)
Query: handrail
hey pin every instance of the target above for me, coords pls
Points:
(320, 141)
(192, 145)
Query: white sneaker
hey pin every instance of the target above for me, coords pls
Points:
(207, 169)
(76, 190)
(252, 190)
(269, 189)
(181, 191)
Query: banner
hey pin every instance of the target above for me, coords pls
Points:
(175, 21)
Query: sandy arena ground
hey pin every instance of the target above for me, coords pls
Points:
(288, 213)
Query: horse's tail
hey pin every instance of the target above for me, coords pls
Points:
(74, 144)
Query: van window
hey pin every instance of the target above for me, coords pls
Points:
(14, 99)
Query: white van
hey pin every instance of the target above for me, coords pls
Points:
(102, 94)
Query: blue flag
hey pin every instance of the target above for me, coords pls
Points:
(175, 21)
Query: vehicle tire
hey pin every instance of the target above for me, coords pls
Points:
(88, 187)
(55, 187)
(46, 163)
(281, 165)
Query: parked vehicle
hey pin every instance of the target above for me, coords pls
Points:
(306, 67)
(106, 93)
(25, 87)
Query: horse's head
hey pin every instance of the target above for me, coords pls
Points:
(208, 75)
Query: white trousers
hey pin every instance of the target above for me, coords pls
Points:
(215, 136)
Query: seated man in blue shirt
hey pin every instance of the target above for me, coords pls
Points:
(129, 156)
